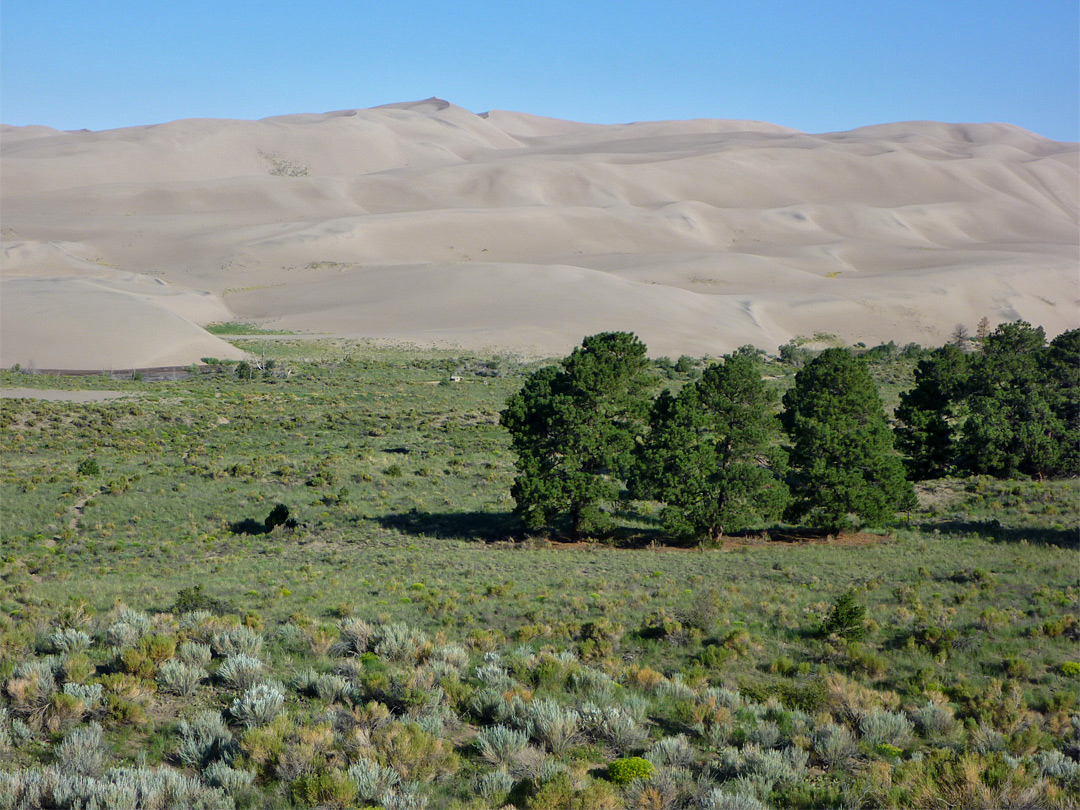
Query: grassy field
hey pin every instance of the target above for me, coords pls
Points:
(412, 644)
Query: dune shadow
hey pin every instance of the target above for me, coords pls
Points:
(993, 530)
(486, 527)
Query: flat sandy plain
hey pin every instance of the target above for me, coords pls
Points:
(427, 223)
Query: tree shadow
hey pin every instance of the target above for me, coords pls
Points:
(486, 527)
(248, 526)
(993, 530)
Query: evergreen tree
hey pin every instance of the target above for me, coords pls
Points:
(1061, 365)
(1012, 426)
(842, 447)
(573, 429)
(711, 453)
(928, 412)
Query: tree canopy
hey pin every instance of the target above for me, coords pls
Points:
(842, 448)
(711, 454)
(573, 428)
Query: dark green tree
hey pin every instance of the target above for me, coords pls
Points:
(1061, 364)
(1013, 427)
(712, 455)
(928, 413)
(573, 429)
(842, 448)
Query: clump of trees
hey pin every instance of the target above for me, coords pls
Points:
(1012, 408)
(722, 457)
(711, 453)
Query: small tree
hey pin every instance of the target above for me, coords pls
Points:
(842, 447)
(573, 429)
(712, 454)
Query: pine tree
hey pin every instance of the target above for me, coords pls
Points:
(842, 447)
(1012, 426)
(711, 454)
(928, 412)
(573, 429)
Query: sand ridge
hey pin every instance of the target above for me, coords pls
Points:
(426, 222)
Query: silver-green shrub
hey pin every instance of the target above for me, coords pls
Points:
(178, 678)
(82, 752)
(194, 653)
(67, 641)
(258, 706)
(373, 781)
(236, 641)
(204, 739)
(500, 744)
(552, 725)
(675, 752)
(835, 745)
(398, 642)
(88, 693)
(493, 787)
(231, 780)
(240, 671)
(881, 727)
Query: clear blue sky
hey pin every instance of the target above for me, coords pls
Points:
(817, 66)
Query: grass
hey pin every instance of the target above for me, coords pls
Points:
(399, 481)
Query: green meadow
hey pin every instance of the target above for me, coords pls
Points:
(403, 642)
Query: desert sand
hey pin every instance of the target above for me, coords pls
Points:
(427, 223)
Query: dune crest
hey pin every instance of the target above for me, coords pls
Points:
(424, 221)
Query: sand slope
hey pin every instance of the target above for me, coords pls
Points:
(426, 222)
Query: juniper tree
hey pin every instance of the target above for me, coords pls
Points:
(712, 455)
(1018, 395)
(928, 413)
(573, 428)
(842, 448)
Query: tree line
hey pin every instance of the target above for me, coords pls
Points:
(723, 454)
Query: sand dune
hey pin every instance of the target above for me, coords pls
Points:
(425, 222)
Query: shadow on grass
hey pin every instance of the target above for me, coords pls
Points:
(248, 526)
(487, 527)
(993, 530)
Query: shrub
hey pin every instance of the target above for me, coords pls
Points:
(179, 678)
(553, 725)
(82, 752)
(194, 654)
(493, 787)
(615, 726)
(499, 744)
(67, 641)
(675, 752)
(623, 771)
(324, 788)
(726, 799)
(204, 739)
(229, 779)
(373, 781)
(835, 746)
(881, 727)
(236, 641)
(414, 753)
(88, 693)
(399, 642)
(240, 671)
(846, 618)
(88, 467)
(258, 706)
(1070, 669)
(356, 636)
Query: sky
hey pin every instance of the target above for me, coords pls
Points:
(817, 66)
